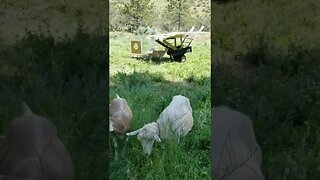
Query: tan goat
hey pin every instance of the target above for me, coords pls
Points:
(32, 149)
(156, 54)
(120, 116)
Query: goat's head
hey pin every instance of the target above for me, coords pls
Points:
(147, 135)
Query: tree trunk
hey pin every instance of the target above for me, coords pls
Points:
(179, 16)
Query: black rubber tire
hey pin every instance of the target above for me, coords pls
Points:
(177, 58)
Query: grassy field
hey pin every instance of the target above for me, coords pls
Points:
(149, 87)
(266, 64)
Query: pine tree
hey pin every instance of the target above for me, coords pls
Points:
(136, 13)
(178, 12)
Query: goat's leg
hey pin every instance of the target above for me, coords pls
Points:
(125, 145)
(115, 144)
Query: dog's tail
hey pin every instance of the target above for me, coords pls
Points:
(26, 108)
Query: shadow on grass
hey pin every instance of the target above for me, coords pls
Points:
(156, 60)
(138, 79)
(281, 98)
(64, 81)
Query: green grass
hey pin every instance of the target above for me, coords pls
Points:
(149, 88)
(266, 64)
(64, 81)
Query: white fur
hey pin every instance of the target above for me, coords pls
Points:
(174, 121)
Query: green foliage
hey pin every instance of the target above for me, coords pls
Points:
(203, 18)
(178, 13)
(115, 17)
(193, 12)
(145, 30)
(223, 1)
(136, 13)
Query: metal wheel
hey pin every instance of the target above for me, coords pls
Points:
(183, 58)
(171, 58)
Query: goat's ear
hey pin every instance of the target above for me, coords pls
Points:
(26, 108)
(156, 137)
(111, 127)
(133, 133)
(111, 124)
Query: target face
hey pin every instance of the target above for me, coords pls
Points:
(136, 47)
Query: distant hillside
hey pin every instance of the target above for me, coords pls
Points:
(61, 17)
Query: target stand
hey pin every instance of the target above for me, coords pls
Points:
(136, 49)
